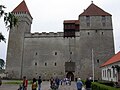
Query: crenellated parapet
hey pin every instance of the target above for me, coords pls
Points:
(23, 15)
(45, 34)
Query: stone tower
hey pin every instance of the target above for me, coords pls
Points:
(16, 40)
(96, 39)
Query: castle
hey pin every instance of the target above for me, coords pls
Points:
(63, 54)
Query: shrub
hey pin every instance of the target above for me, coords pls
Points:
(98, 86)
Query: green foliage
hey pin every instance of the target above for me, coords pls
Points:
(97, 86)
(2, 37)
(16, 82)
(1, 10)
(9, 19)
(2, 63)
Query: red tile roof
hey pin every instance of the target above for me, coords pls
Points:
(94, 10)
(114, 59)
(22, 7)
(71, 21)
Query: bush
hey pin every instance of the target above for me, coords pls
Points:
(108, 83)
(98, 86)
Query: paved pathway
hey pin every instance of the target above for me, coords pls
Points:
(45, 86)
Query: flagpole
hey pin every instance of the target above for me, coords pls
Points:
(93, 64)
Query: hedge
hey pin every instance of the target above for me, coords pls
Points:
(98, 86)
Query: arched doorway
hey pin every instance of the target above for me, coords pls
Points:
(70, 75)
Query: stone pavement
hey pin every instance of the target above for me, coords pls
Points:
(45, 86)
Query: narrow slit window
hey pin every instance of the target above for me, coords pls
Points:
(35, 63)
(98, 60)
(88, 33)
(102, 33)
(45, 64)
(55, 53)
(55, 64)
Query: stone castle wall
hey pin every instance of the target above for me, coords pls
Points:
(33, 54)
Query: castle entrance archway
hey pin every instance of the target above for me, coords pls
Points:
(70, 75)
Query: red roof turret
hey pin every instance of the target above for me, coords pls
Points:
(94, 10)
(22, 7)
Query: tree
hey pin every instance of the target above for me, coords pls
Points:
(2, 38)
(2, 63)
(9, 19)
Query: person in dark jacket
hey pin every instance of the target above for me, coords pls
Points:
(39, 82)
(57, 81)
(88, 84)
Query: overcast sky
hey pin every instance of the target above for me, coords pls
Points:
(48, 16)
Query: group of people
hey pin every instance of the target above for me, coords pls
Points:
(66, 81)
(79, 84)
(54, 83)
(35, 83)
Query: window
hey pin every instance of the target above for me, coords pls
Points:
(103, 21)
(36, 53)
(55, 53)
(88, 24)
(98, 61)
(103, 18)
(87, 18)
(88, 33)
(103, 73)
(96, 31)
(55, 64)
(102, 33)
(35, 63)
(103, 24)
(54, 73)
(110, 73)
(45, 64)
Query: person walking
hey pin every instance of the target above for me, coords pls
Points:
(79, 84)
(88, 84)
(57, 81)
(39, 82)
(51, 81)
(54, 85)
(25, 83)
(34, 84)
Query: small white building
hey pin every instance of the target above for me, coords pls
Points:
(111, 69)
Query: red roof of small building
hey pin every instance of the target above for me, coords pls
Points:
(22, 7)
(94, 10)
(114, 59)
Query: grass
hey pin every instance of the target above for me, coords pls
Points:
(14, 82)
